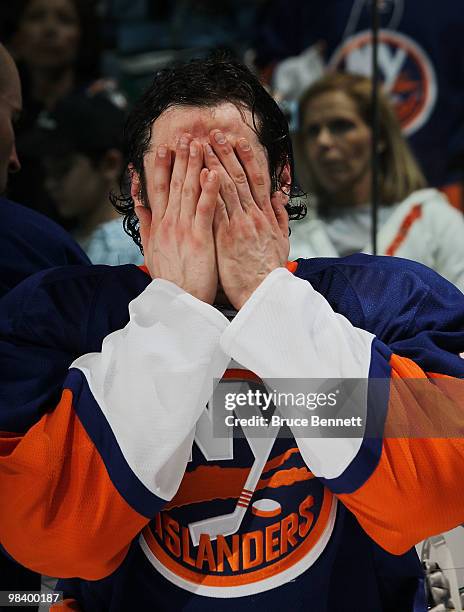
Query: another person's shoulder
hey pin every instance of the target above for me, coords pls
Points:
(438, 208)
(19, 218)
(31, 242)
(434, 206)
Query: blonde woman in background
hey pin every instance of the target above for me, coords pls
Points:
(333, 151)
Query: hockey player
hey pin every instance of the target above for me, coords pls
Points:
(112, 474)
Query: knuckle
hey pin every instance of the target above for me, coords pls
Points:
(187, 192)
(160, 187)
(212, 160)
(176, 184)
(182, 152)
(258, 178)
(204, 203)
(166, 224)
(202, 207)
(229, 188)
(180, 235)
(197, 243)
(240, 178)
(210, 187)
(257, 216)
(180, 231)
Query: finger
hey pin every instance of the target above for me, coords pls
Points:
(144, 216)
(226, 155)
(207, 202)
(254, 172)
(221, 218)
(179, 171)
(227, 188)
(278, 201)
(203, 177)
(191, 188)
(161, 180)
(220, 214)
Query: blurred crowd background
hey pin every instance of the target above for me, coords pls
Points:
(82, 63)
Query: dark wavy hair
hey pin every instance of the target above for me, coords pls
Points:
(206, 83)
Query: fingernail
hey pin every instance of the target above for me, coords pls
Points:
(184, 142)
(162, 151)
(209, 149)
(219, 138)
(244, 144)
(211, 175)
(193, 149)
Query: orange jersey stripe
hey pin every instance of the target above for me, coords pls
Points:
(60, 514)
(408, 222)
(415, 477)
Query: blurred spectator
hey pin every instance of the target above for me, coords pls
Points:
(420, 59)
(29, 242)
(56, 44)
(184, 24)
(80, 144)
(334, 165)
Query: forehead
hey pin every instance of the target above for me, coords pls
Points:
(199, 121)
(329, 104)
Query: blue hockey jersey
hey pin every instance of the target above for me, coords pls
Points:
(111, 476)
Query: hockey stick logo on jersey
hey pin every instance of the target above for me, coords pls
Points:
(248, 516)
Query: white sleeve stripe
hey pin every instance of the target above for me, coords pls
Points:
(153, 378)
(288, 330)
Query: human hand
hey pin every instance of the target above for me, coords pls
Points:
(250, 226)
(177, 231)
